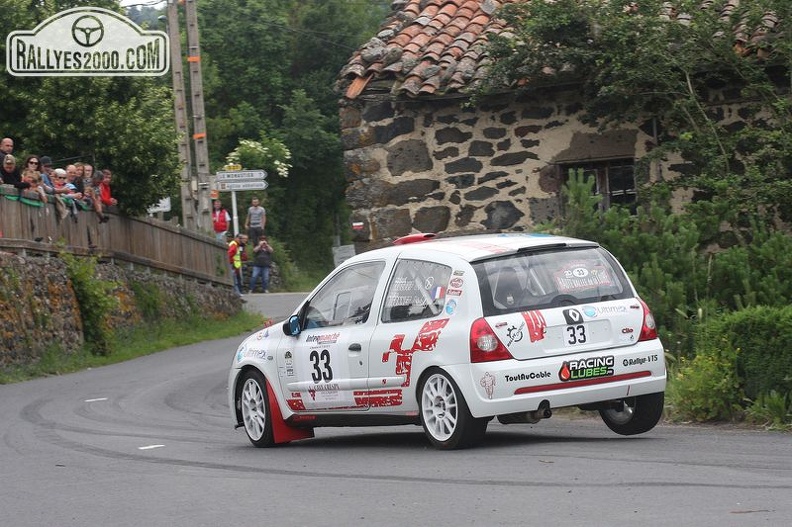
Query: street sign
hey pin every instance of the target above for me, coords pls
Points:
(235, 186)
(241, 175)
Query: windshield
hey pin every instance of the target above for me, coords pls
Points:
(538, 280)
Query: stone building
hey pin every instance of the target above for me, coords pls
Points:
(418, 159)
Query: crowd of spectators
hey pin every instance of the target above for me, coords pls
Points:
(71, 188)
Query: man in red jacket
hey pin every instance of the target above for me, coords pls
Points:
(220, 220)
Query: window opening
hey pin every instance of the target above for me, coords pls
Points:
(614, 180)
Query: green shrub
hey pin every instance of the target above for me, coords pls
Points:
(773, 410)
(148, 300)
(96, 300)
(706, 387)
(763, 335)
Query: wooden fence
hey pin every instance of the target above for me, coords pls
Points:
(28, 226)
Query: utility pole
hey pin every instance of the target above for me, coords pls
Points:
(180, 110)
(203, 219)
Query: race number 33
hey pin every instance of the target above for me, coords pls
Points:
(321, 366)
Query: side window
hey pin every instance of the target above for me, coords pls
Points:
(346, 299)
(417, 290)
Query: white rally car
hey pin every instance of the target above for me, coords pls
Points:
(451, 333)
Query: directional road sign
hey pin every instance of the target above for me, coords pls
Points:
(232, 186)
(241, 175)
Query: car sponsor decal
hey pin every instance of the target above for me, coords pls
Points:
(488, 383)
(450, 307)
(425, 341)
(295, 402)
(515, 334)
(532, 376)
(241, 352)
(640, 361)
(537, 326)
(378, 398)
(589, 368)
(288, 362)
(456, 283)
(595, 311)
(323, 340)
(582, 275)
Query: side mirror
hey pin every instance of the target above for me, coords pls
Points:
(292, 326)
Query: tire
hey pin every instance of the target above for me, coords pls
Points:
(637, 415)
(445, 416)
(253, 402)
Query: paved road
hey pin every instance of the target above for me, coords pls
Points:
(149, 442)
(276, 306)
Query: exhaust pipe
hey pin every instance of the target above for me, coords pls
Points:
(532, 417)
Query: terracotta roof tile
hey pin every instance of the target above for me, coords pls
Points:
(433, 37)
(438, 46)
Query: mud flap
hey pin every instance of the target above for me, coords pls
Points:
(282, 432)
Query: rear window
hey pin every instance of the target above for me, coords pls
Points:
(538, 280)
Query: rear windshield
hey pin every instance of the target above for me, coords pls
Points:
(539, 280)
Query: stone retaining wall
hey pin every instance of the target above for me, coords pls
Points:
(39, 310)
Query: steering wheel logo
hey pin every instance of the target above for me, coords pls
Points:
(87, 31)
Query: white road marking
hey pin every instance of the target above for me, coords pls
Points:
(150, 447)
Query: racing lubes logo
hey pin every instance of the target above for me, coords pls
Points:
(87, 41)
(575, 370)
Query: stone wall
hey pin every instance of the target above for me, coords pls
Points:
(439, 166)
(39, 310)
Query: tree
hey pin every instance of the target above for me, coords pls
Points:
(270, 71)
(121, 123)
(653, 59)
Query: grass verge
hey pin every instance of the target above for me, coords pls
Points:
(136, 343)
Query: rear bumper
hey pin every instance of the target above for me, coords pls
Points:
(511, 386)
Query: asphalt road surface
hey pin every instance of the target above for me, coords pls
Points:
(150, 443)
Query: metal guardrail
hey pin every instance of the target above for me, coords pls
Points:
(28, 226)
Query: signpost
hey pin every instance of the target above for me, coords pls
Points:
(238, 180)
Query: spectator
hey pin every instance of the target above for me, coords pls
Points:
(9, 173)
(6, 146)
(105, 193)
(235, 249)
(74, 177)
(93, 190)
(262, 261)
(46, 173)
(33, 177)
(88, 174)
(67, 194)
(32, 162)
(256, 221)
(220, 220)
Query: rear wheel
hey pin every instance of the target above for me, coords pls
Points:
(635, 415)
(252, 400)
(445, 416)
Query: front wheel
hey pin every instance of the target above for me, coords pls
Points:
(445, 416)
(252, 400)
(635, 415)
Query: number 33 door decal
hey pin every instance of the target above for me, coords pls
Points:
(320, 361)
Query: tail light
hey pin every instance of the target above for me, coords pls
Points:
(485, 346)
(648, 328)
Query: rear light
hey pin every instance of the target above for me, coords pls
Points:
(485, 346)
(648, 328)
